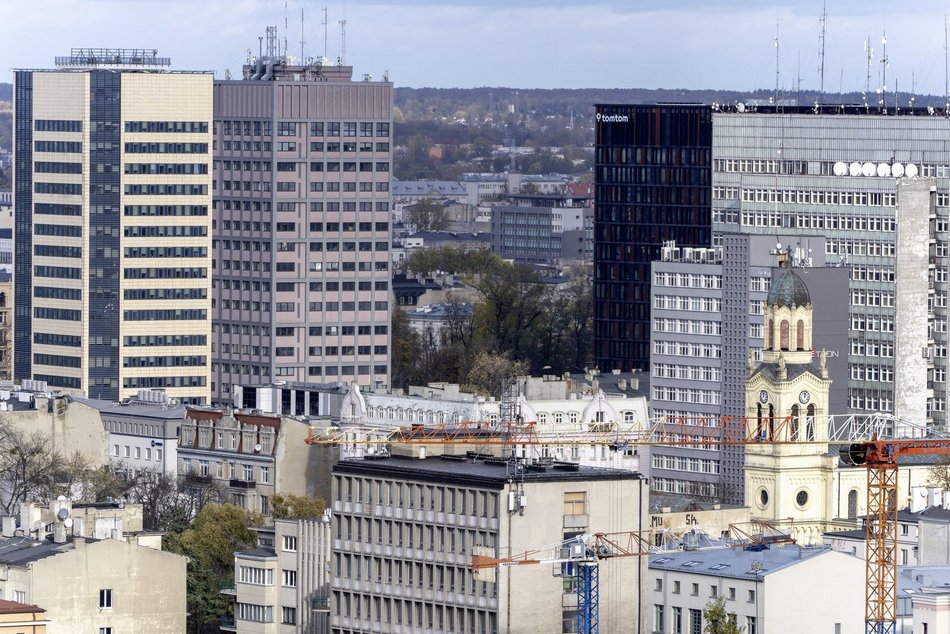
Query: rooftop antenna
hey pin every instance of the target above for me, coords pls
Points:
(286, 27)
(343, 48)
(302, 41)
(777, 20)
(325, 22)
(798, 78)
(884, 65)
(867, 82)
(822, 23)
(946, 84)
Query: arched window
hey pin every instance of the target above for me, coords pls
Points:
(3, 300)
(783, 335)
(800, 335)
(758, 425)
(810, 423)
(853, 505)
(794, 431)
(770, 335)
(771, 422)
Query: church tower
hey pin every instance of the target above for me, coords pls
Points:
(787, 400)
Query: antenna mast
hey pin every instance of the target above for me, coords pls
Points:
(302, 41)
(343, 34)
(325, 22)
(946, 84)
(867, 81)
(822, 22)
(777, 19)
(884, 64)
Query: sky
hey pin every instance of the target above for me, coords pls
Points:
(675, 44)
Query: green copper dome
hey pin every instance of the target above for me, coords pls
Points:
(788, 290)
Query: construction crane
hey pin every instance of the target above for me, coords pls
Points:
(580, 558)
(874, 441)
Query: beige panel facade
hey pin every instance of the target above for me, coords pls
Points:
(120, 233)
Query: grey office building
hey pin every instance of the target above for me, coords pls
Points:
(301, 242)
(707, 314)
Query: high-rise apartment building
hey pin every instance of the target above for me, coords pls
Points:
(303, 158)
(652, 185)
(112, 226)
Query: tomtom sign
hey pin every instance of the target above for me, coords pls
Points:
(612, 118)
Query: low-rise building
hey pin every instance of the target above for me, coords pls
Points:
(96, 585)
(765, 591)
(251, 456)
(19, 618)
(405, 530)
(283, 585)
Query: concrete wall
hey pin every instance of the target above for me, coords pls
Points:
(148, 588)
(70, 426)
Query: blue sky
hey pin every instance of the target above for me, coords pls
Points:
(727, 44)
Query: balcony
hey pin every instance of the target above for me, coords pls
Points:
(241, 484)
(320, 604)
(226, 624)
(227, 587)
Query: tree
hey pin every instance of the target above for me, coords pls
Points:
(427, 215)
(491, 372)
(209, 543)
(718, 621)
(297, 506)
(939, 474)
(406, 353)
(167, 503)
(29, 467)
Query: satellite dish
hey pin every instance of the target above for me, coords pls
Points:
(841, 168)
(869, 169)
(68, 522)
(257, 448)
(854, 169)
(62, 514)
(883, 169)
(740, 107)
(911, 170)
(897, 169)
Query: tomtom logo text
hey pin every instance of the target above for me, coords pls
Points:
(612, 118)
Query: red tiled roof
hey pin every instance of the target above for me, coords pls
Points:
(12, 607)
(256, 419)
(199, 414)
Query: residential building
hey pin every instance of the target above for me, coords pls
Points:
(764, 591)
(251, 456)
(283, 585)
(678, 514)
(429, 321)
(16, 618)
(89, 585)
(409, 192)
(291, 398)
(652, 177)
(405, 529)
(302, 242)
(707, 307)
(112, 199)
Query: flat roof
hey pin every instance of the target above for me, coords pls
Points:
(486, 473)
(736, 563)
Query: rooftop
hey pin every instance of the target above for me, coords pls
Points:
(788, 290)
(735, 563)
(487, 473)
(12, 607)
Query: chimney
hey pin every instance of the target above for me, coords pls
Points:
(9, 526)
(59, 533)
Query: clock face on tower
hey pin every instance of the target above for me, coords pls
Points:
(763, 396)
(804, 397)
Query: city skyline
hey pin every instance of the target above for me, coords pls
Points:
(608, 44)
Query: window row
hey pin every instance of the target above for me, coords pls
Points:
(687, 280)
(687, 326)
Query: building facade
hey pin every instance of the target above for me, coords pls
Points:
(652, 171)
(283, 585)
(764, 591)
(302, 177)
(405, 530)
(112, 199)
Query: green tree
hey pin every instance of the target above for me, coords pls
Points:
(297, 506)
(718, 621)
(209, 543)
(939, 474)
(406, 352)
(491, 372)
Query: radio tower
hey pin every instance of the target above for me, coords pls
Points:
(822, 23)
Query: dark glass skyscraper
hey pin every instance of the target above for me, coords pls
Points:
(653, 168)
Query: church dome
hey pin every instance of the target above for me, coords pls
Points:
(788, 290)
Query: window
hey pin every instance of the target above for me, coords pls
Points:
(253, 612)
(659, 585)
(751, 596)
(290, 543)
(105, 630)
(695, 622)
(105, 598)
(694, 590)
(288, 616)
(677, 620)
(676, 587)
(290, 578)
(658, 618)
(750, 625)
(575, 503)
